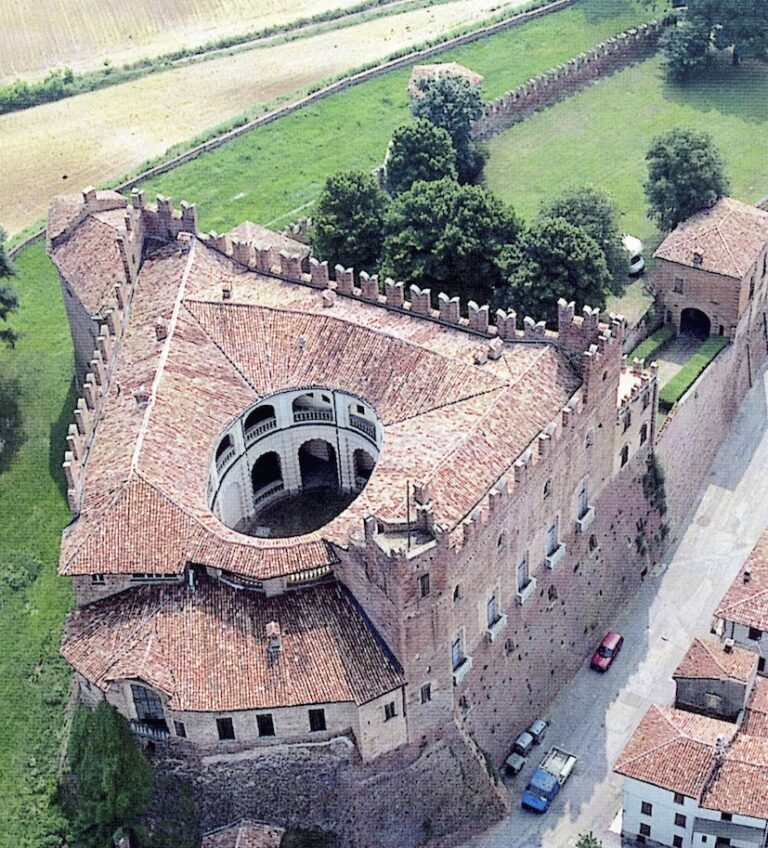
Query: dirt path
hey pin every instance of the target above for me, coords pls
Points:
(63, 146)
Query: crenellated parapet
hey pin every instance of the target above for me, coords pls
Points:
(642, 382)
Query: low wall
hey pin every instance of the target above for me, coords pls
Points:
(565, 79)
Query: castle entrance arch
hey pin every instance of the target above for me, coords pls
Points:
(318, 466)
(694, 322)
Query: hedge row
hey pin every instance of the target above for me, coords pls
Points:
(648, 348)
(687, 375)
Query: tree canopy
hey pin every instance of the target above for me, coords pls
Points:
(558, 260)
(685, 175)
(593, 211)
(453, 103)
(113, 781)
(348, 219)
(449, 237)
(419, 151)
(9, 299)
(588, 840)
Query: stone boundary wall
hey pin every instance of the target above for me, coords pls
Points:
(566, 79)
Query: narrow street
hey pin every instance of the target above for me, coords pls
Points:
(595, 715)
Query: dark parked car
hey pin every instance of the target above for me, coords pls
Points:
(607, 651)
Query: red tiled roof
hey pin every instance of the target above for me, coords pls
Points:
(708, 659)
(746, 602)
(740, 784)
(756, 714)
(207, 648)
(673, 749)
(729, 236)
(244, 834)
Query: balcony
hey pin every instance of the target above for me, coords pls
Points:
(267, 491)
(254, 433)
(462, 670)
(527, 591)
(554, 558)
(223, 461)
(495, 629)
(363, 425)
(147, 731)
(583, 523)
(301, 416)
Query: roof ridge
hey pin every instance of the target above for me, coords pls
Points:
(718, 226)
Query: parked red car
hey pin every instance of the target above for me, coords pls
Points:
(607, 651)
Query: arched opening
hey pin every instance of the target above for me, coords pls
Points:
(317, 463)
(364, 464)
(266, 476)
(259, 420)
(693, 322)
(224, 445)
(312, 406)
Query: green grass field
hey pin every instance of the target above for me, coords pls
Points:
(33, 511)
(274, 173)
(600, 137)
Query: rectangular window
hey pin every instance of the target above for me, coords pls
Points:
(677, 842)
(677, 287)
(316, 720)
(627, 421)
(726, 817)
(522, 573)
(553, 541)
(646, 809)
(98, 579)
(679, 799)
(646, 399)
(492, 610)
(645, 830)
(423, 585)
(360, 409)
(147, 704)
(226, 728)
(265, 725)
(643, 434)
(389, 711)
(754, 634)
(679, 820)
(582, 506)
(624, 455)
(426, 693)
(456, 656)
(180, 729)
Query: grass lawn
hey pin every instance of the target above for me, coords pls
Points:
(33, 510)
(274, 173)
(600, 137)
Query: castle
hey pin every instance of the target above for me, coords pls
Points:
(308, 505)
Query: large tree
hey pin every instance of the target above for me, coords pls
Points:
(454, 103)
(558, 260)
(449, 237)
(419, 151)
(348, 219)
(9, 300)
(593, 211)
(113, 781)
(685, 175)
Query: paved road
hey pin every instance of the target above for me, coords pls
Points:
(595, 715)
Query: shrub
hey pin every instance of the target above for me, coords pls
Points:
(18, 570)
(687, 375)
(648, 348)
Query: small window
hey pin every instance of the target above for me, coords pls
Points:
(360, 409)
(316, 720)
(325, 398)
(722, 842)
(680, 820)
(492, 610)
(679, 799)
(761, 664)
(389, 711)
(726, 817)
(605, 376)
(643, 434)
(754, 634)
(677, 842)
(456, 593)
(547, 489)
(180, 729)
(426, 693)
(590, 440)
(646, 808)
(624, 455)
(523, 578)
(627, 421)
(97, 580)
(677, 286)
(457, 657)
(226, 728)
(592, 542)
(265, 724)
(641, 840)
(500, 541)
(646, 399)
(553, 537)
(645, 830)
(423, 585)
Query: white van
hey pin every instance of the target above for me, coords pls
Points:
(634, 248)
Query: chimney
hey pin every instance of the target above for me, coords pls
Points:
(728, 646)
(226, 291)
(161, 329)
(747, 573)
(698, 258)
(274, 638)
(720, 749)
(141, 396)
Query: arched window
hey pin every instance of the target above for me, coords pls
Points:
(317, 462)
(547, 488)
(643, 434)
(312, 406)
(266, 472)
(224, 445)
(364, 464)
(260, 419)
(625, 455)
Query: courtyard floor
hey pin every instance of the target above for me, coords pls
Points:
(595, 715)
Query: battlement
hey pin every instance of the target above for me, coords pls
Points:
(644, 377)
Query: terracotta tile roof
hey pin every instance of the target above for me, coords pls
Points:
(207, 648)
(756, 714)
(708, 659)
(747, 602)
(729, 236)
(244, 834)
(673, 749)
(63, 213)
(740, 784)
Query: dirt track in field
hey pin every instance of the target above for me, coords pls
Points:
(86, 32)
(64, 146)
